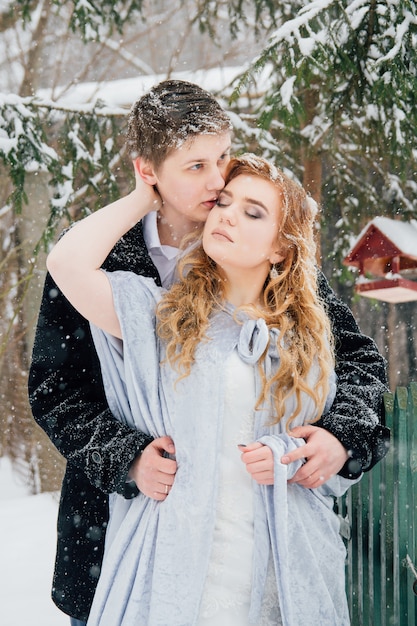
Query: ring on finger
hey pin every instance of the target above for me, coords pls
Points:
(166, 490)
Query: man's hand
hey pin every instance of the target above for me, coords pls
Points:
(152, 472)
(324, 454)
(259, 462)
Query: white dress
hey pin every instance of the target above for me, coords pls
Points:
(226, 597)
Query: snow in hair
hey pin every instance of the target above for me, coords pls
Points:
(312, 206)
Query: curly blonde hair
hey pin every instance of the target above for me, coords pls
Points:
(290, 302)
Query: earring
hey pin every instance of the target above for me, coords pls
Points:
(273, 273)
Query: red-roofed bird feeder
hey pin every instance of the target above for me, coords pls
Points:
(386, 254)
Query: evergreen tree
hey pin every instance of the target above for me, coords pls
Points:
(340, 99)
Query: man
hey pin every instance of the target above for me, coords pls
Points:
(65, 386)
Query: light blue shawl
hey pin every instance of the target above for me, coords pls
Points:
(157, 553)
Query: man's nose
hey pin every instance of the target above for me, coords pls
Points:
(216, 181)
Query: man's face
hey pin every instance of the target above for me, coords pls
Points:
(191, 177)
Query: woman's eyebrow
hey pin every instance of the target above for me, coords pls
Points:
(257, 203)
(246, 199)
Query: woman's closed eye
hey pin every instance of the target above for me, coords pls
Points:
(253, 214)
(223, 202)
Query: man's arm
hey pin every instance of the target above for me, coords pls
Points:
(356, 417)
(68, 400)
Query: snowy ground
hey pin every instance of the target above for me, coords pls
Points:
(27, 550)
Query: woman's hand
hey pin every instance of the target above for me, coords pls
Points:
(259, 462)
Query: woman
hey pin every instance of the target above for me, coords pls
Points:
(237, 351)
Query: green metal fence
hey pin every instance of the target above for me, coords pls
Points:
(381, 516)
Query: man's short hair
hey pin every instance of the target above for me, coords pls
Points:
(168, 115)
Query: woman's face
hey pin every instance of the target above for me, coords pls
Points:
(241, 231)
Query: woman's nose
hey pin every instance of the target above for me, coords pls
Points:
(228, 215)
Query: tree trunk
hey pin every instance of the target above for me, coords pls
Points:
(312, 164)
(33, 456)
(391, 344)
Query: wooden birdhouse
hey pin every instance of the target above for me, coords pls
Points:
(385, 253)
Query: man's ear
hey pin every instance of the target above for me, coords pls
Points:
(145, 170)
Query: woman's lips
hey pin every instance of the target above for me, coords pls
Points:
(221, 235)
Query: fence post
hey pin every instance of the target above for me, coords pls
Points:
(386, 513)
(399, 446)
(411, 505)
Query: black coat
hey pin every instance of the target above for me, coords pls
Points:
(68, 402)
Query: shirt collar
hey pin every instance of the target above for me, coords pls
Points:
(150, 231)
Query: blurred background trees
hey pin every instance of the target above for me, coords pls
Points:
(326, 89)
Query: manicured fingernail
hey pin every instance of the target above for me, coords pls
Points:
(285, 459)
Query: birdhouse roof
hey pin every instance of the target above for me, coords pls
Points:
(384, 238)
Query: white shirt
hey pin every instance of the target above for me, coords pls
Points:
(163, 257)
